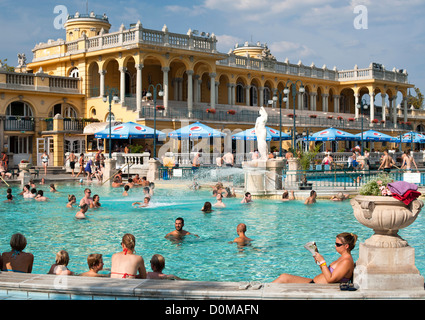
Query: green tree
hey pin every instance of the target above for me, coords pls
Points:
(418, 101)
(5, 65)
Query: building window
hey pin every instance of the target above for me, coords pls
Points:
(112, 117)
(74, 73)
(240, 93)
(18, 108)
(65, 110)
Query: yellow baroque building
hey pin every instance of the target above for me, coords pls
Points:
(46, 104)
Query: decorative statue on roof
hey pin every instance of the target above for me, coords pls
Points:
(266, 54)
(22, 60)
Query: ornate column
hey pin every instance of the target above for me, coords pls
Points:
(313, 101)
(212, 89)
(247, 95)
(102, 82)
(393, 101)
(196, 88)
(139, 87)
(165, 71)
(189, 93)
(216, 92)
(229, 94)
(372, 107)
(384, 111)
(122, 84)
(356, 102)
(336, 103)
(261, 96)
(325, 102)
(405, 108)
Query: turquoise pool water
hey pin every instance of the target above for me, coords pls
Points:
(279, 230)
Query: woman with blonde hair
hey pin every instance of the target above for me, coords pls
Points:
(341, 270)
(60, 267)
(126, 264)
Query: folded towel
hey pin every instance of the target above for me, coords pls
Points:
(401, 187)
(408, 197)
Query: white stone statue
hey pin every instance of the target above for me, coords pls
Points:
(22, 60)
(261, 133)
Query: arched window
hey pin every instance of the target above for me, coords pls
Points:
(112, 117)
(240, 96)
(253, 96)
(74, 73)
(64, 109)
(18, 108)
(267, 96)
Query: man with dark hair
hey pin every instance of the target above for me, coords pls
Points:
(179, 233)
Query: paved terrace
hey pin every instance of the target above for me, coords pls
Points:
(17, 286)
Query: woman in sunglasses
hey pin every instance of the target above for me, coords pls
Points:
(340, 270)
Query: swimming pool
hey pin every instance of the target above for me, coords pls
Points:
(279, 230)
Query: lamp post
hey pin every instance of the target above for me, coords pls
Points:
(362, 106)
(112, 95)
(149, 94)
(294, 94)
(280, 120)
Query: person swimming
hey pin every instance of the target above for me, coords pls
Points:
(71, 201)
(145, 203)
(179, 233)
(207, 208)
(82, 213)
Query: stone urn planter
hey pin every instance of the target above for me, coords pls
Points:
(24, 166)
(385, 215)
(386, 261)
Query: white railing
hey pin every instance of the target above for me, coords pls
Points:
(134, 36)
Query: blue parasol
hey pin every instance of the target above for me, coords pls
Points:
(372, 135)
(129, 130)
(249, 134)
(411, 137)
(195, 131)
(332, 134)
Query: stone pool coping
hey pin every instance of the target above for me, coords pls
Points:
(18, 286)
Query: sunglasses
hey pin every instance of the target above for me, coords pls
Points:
(339, 244)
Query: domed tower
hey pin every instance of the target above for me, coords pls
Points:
(88, 24)
(257, 51)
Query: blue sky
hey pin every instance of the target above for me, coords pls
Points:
(319, 31)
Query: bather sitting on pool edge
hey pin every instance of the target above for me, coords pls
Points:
(126, 264)
(16, 260)
(340, 270)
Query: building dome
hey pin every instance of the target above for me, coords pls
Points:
(89, 24)
(253, 50)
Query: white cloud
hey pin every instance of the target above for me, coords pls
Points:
(291, 49)
(227, 42)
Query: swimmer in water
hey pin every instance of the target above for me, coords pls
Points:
(125, 193)
(144, 204)
(71, 201)
(247, 198)
(179, 233)
(219, 202)
(96, 203)
(207, 207)
(242, 239)
(82, 213)
(40, 196)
